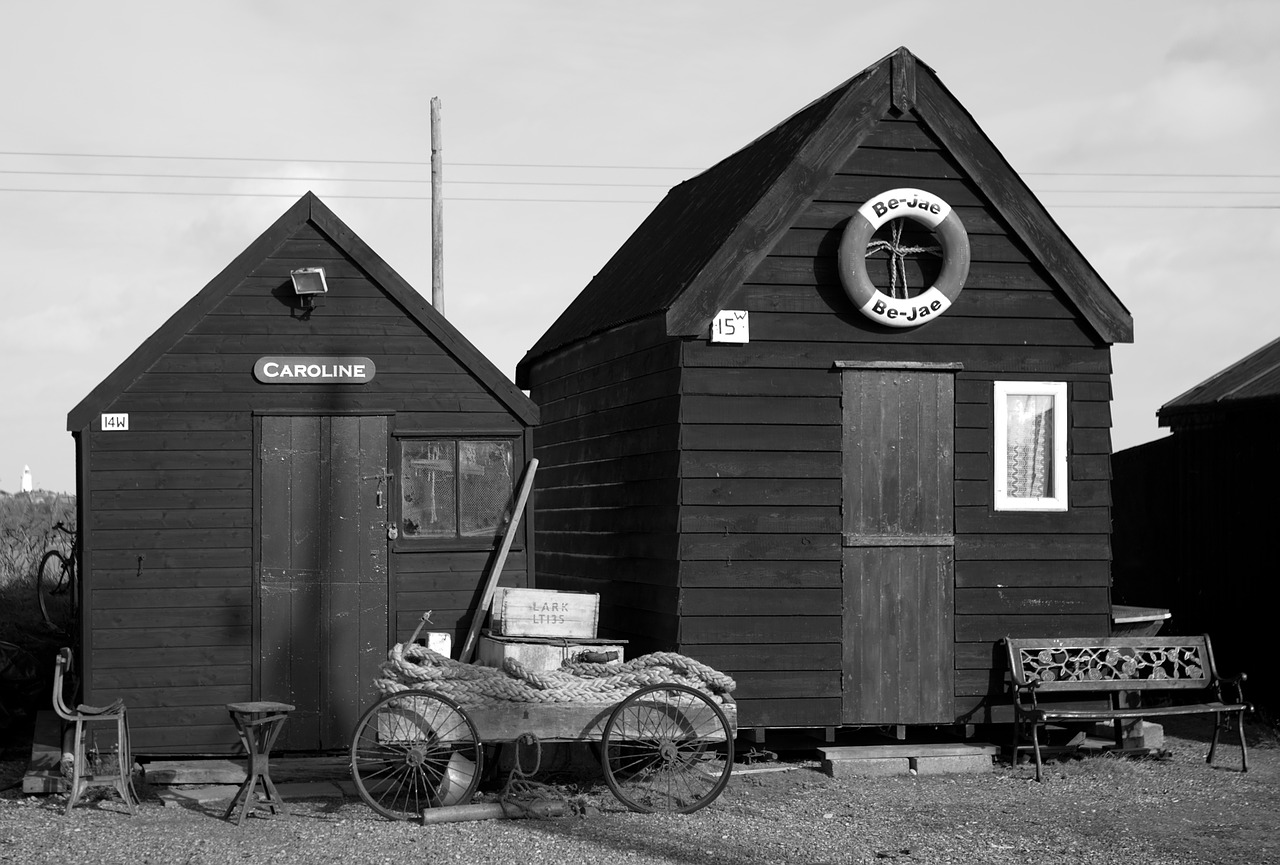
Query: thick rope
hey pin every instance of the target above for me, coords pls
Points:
(414, 666)
(524, 797)
(898, 256)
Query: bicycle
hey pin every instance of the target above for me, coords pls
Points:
(56, 581)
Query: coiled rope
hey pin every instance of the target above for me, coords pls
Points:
(414, 666)
(898, 257)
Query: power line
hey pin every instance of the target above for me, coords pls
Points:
(574, 200)
(295, 195)
(1144, 174)
(323, 179)
(344, 161)
(58, 154)
(545, 183)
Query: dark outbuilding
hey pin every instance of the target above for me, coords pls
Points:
(845, 514)
(1195, 512)
(276, 485)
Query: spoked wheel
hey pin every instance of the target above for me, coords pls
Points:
(53, 589)
(667, 748)
(415, 750)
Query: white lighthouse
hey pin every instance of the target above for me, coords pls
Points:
(26, 479)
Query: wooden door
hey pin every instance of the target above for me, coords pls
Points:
(322, 589)
(898, 551)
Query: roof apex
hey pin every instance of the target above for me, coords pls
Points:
(307, 209)
(710, 231)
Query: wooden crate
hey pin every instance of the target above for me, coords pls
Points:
(542, 654)
(544, 613)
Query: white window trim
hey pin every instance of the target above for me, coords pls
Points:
(1061, 480)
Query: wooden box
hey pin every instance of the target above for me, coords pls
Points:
(544, 613)
(541, 655)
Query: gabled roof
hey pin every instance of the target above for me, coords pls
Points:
(711, 231)
(1256, 377)
(308, 209)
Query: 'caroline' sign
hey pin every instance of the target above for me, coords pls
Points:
(314, 370)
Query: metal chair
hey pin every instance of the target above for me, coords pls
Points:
(82, 716)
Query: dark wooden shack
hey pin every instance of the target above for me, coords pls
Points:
(816, 509)
(1194, 511)
(274, 486)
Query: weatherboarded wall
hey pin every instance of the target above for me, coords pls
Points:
(745, 443)
(761, 466)
(608, 480)
(169, 523)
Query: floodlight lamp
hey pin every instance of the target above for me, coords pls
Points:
(307, 283)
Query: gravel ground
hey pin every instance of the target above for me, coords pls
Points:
(1094, 810)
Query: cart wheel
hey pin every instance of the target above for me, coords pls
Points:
(415, 750)
(667, 748)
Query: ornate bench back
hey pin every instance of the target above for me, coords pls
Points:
(1111, 663)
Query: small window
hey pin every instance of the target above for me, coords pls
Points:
(1031, 445)
(454, 488)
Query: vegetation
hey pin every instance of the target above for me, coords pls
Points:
(27, 643)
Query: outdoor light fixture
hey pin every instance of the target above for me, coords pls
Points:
(307, 283)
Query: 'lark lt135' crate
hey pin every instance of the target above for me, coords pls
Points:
(544, 613)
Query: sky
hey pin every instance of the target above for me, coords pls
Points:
(1148, 129)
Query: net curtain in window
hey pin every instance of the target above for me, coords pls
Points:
(1030, 444)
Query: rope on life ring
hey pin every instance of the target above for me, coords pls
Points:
(927, 209)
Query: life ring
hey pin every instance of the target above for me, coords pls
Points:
(927, 209)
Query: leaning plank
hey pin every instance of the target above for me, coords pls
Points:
(508, 535)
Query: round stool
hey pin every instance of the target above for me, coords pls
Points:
(258, 724)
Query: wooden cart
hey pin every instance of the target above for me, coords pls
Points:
(666, 747)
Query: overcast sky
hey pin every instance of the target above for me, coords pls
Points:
(1147, 128)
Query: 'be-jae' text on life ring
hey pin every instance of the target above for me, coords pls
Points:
(927, 209)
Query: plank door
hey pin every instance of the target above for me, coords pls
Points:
(899, 544)
(322, 586)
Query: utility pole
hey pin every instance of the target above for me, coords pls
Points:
(437, 212)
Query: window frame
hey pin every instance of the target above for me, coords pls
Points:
(457, 541)
(1059, 500)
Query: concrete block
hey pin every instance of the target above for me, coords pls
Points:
(870, 767)
(951, 765)
(309, 790)
(174, 796)
(1137, 734)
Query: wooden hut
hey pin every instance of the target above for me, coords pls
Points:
(276, 484)
(1193, 511)
(753, 471)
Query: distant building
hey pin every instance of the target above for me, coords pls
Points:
(26, 479)
(1194, 514)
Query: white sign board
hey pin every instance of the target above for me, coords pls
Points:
(731, 325)
(115, 422)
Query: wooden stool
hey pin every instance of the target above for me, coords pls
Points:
(258, 725)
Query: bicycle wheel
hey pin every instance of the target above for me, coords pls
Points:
(53, 588)
(667, 748)
(412, 751)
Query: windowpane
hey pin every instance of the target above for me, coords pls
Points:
(1030, 446)
(486, 485)
(429, 489)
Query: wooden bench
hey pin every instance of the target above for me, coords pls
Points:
(1116, 666)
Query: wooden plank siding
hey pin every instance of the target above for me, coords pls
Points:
(607, 484)
(1191, 511)
(170, 544)
(761, 458)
